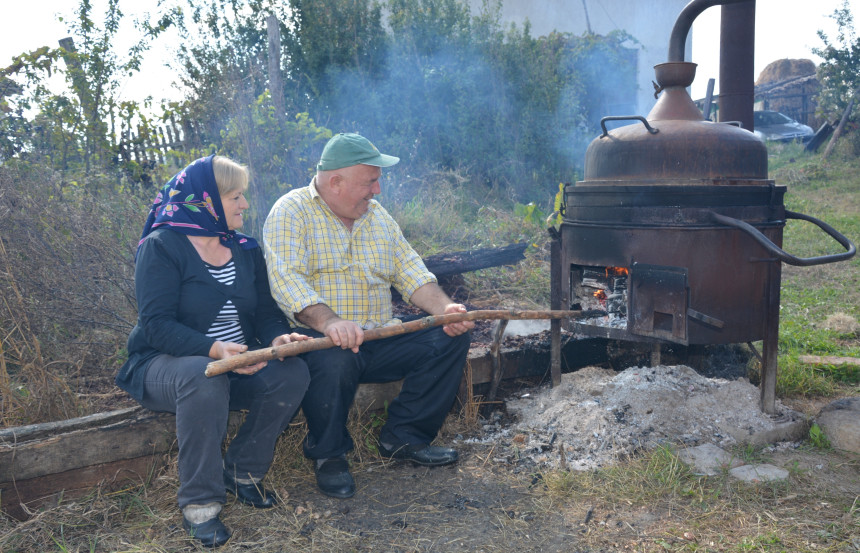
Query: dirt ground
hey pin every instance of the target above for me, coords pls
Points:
(508, 493)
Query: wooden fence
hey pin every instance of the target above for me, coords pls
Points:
(147, 145)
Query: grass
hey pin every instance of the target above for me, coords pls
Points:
(814, 299)
(689, 512)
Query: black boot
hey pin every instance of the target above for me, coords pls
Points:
(250, 494)
(211, 533)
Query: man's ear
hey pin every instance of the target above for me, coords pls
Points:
(335, 183)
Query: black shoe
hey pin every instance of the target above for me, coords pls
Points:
(250, 494)
(334, 479)
(211, 533)
(421, 454)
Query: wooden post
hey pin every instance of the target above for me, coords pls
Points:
(161, 144)
(276, 87)
(769, 368)
(180, 140)
(555, 304)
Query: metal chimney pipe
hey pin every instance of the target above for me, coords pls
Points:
(737, 56)
(678, 38)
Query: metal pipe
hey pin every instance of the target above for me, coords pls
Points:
(678, 38)
(737, 70)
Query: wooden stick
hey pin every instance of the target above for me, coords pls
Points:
(294, 348)
(827, 360)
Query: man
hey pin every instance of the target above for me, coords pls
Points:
(333, 254)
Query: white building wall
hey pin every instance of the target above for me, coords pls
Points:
(648, 21)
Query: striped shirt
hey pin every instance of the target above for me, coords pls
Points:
(313, 258)
(226, 326)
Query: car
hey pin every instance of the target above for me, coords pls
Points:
(773, 125)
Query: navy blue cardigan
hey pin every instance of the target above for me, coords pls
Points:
(177, 301)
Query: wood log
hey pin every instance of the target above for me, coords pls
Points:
(40, 460)
(447, 264)
(819, 360)
(838, 132)
(294, 348)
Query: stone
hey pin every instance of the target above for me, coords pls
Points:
(840, 422)
(759, 473)
(708, 459)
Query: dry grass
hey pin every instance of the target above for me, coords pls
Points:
(66, 292)
(651, 503)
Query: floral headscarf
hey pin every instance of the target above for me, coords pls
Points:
(191, 204)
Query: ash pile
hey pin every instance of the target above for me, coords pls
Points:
(597, 417)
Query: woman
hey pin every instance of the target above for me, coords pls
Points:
(203, 294)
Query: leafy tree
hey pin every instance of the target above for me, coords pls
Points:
(27, 72)
(839, 73)
(327, 36)
(72, 128)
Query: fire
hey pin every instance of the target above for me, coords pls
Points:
(600, 294)
(616, 271)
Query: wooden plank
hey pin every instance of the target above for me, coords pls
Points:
(829, 360)
(150, 433)
(72, 484)
(9, 436)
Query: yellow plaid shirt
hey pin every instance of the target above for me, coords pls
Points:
(313, 258)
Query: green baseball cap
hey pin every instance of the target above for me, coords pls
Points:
(347, 149)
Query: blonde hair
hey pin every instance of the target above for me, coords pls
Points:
(229, 175)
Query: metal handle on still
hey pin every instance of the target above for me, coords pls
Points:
(603, 121)
(779, 253)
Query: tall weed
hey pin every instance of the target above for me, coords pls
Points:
(66, 253)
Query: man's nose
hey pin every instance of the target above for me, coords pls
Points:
(376, 188)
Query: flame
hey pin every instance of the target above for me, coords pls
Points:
(600, 294)
(616, 271)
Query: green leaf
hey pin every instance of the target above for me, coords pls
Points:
(189, 197)
(193, 208)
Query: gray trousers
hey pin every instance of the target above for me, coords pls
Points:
(202, 404)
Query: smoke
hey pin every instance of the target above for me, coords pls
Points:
(509, 119)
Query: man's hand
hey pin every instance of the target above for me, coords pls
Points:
(432, 299)
(455, 329)
(343, 333)
(223, 350)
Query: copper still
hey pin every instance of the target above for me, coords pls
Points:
(675, 230)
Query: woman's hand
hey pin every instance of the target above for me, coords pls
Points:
(223, 350)
(287, 338)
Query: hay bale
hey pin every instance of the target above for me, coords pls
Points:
(781, 70)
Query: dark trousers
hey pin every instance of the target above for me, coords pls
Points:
(431, 365)
(202, 405)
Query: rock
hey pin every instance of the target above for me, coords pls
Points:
(840, 422)
(759, 473)
(708, 459)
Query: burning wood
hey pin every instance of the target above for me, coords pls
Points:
(603, 288)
